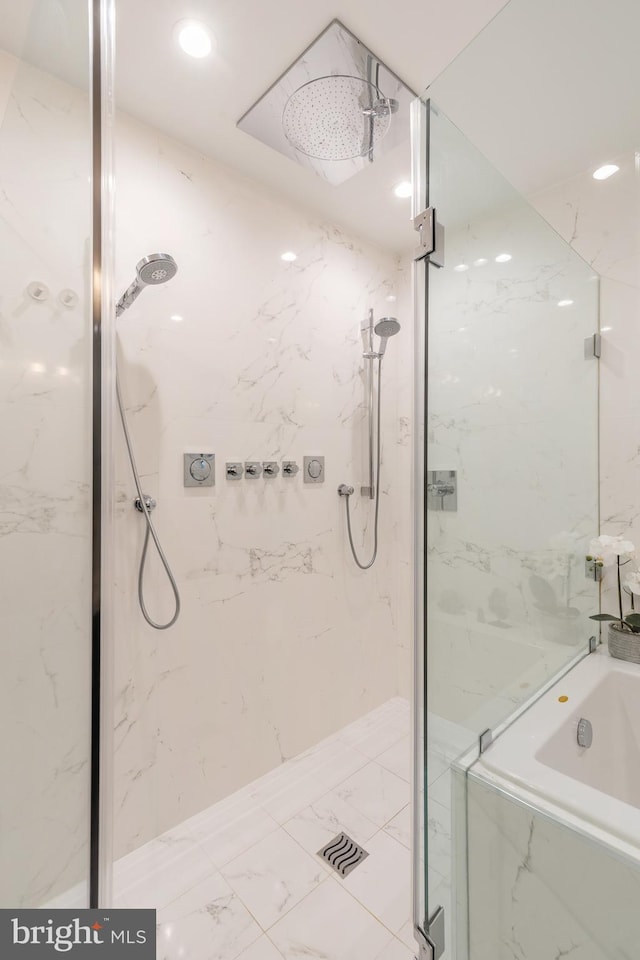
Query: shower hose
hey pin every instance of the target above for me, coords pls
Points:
(149, 532)
(347, 496)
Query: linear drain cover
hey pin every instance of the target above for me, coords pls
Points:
(343, 854)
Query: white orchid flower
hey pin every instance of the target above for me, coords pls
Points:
(608, 549)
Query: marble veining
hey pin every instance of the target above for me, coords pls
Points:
(45, 518)
(251, 358)
(231, 882)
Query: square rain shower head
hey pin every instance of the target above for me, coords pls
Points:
(335, 110)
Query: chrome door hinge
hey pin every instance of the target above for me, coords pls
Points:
(431, 242)
(434, 936)
(593, 346)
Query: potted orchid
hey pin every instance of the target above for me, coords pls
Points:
(624, 629)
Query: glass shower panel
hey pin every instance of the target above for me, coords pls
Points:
(511, 489)
(45, 437)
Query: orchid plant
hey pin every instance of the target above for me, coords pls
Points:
(616, 552)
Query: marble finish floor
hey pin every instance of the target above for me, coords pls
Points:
(242, 880)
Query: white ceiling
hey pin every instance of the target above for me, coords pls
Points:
(547, 90)
(550, 90)
(199, 102)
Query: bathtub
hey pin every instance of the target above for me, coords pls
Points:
(594, 789)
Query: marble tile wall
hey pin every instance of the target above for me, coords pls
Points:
(45, 519)
(600, 219)
(553, 892)
(281, 639)
(512, 409)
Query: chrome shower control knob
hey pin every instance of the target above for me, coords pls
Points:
(235, 471)
(290, 468)
(344, 490)
(252, 469)
(313, 469)
(200, 470)
(270, 468)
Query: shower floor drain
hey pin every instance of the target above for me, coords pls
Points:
(343, 854)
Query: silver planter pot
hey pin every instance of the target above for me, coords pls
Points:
(623, 644)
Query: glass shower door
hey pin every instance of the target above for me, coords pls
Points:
(508, 464)
(45, 437)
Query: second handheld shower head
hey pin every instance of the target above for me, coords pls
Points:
(150, 271)
(385, 328)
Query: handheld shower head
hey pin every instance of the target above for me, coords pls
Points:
(150, 271)
(385, 328)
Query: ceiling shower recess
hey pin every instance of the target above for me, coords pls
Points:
(335, 110)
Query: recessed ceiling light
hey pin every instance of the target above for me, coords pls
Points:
(289, 256)
(194, 38)
(565, 303)
(461, 267)
(37, 368)
(503, 258)
(177, 318)
(605, 329)
(480, 262)
(606, 171)
(403, 189)
(391, 298)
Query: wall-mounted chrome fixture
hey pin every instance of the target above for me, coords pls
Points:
(442, 490)
(68, 298)
(335, 110)
(289, 468)
(593, 568)
(270, 469)
(38, 291)
(313, 469)
(234, 470)
(252, 469)
(385, 328)
(152, 270)
(199, 469)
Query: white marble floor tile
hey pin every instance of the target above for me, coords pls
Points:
(207, 923)
(400, 827)
(437, 765)
(382, 882)
(76, 898)
(226, 831)
(273, 876)
(397, 950)
(405, 934)
(440, 789)
(304, 780)
(380, 729)
(397, 758)
(326, 818)
(263, 949)
(376, 792)
(159, 872)
(329, 925)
